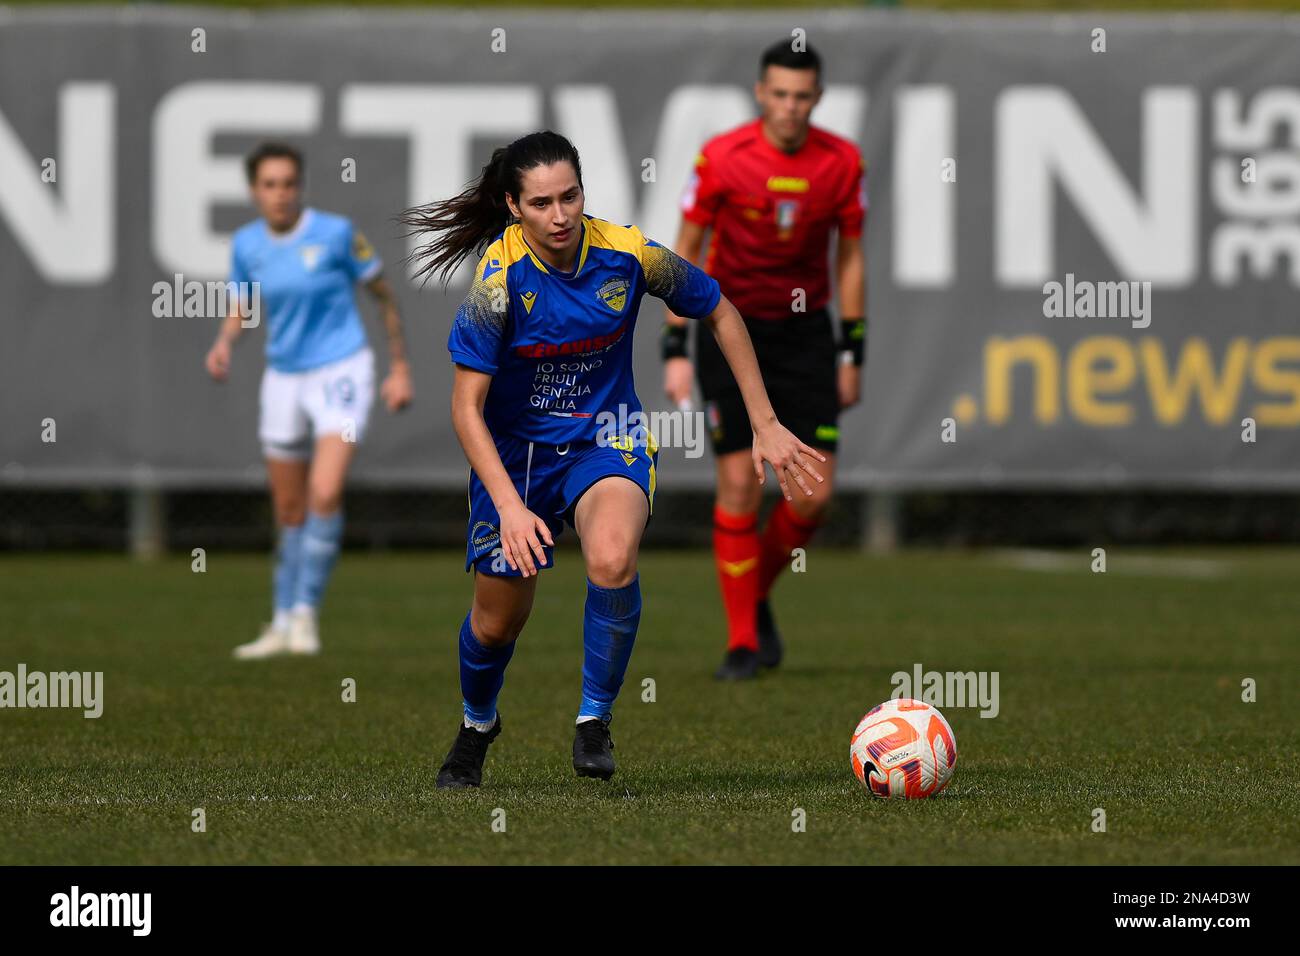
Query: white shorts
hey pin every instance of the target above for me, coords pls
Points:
(299, 407)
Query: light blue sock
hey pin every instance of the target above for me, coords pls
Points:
(482, 672)
(288, 556)
(609, 624)
(320, 548)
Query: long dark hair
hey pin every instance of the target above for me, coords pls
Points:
(466, 223)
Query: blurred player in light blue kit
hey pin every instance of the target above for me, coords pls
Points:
(544, 406)
(319, 382)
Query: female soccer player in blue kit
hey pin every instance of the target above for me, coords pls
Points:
(542, 347)
(319, 380)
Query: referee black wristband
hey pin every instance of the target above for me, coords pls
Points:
(853, 339)
(672, 341)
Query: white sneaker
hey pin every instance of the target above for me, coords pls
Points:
(303, 636)
(270, 643)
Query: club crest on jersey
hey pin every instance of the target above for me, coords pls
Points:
(614, 294)
(787, 211)
(311, 257)
(528, 299)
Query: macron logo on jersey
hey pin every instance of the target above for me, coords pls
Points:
(492, 266)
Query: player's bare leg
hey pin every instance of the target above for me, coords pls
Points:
(501, 608)
(329, 470)
(487, 642)
(738, 490)
(287, 478)
(813, 507)
(610, 518)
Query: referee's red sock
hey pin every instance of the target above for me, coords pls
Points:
(784, 532)
(735, 552)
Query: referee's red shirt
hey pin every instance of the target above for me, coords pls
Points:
(772, 214)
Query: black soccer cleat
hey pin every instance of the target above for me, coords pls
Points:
(464, 764)
(770, 648)
(740, 664)
(593, 749)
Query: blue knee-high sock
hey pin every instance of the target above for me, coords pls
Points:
(320, 548)
(482, 672)
(288, 554)
(609, 625)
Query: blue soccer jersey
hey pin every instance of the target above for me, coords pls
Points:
(306, 279)
(559, 345)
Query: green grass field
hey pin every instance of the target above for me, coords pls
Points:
(1119, 691)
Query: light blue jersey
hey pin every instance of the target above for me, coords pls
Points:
(307, 277)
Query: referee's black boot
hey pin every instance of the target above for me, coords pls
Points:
(464, 764)
(593, 749)
(770, 648)
(740, 664)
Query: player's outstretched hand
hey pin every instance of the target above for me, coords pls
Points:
(397, 391)
(789, 457)
(522, 534)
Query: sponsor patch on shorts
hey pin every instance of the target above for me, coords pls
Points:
(483, 536)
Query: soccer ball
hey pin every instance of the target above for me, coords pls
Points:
(903, 748)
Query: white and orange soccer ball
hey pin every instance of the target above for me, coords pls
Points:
(903, 748)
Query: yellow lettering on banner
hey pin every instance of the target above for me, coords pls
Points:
(1269, 378)
(1100, 365)
(1195, 370)
(1098, 369)
(1000, 358)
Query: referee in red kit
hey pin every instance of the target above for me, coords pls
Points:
(772, 191)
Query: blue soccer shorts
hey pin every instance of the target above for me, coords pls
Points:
(550, 479)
